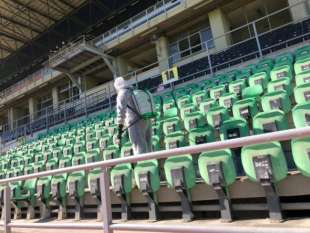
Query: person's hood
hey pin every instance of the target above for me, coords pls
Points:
(120, 83)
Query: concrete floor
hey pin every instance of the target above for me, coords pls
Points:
(292, 223)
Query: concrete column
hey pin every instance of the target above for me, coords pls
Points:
(11, 117)
(299, 11)
(162, 50)
(55, 97)
(33, 103)
(219, 26)
(122, 67)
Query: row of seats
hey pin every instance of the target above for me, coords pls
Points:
(256, 99)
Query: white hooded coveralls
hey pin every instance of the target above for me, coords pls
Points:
(140, 130)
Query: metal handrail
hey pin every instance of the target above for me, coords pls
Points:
(109, 227)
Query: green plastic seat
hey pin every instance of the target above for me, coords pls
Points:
(224, 78)
(216, 116)
(259, 79)
(280, 84)
(227, 100)
(201, 135)
(302, 93)
(300, 53)
(276, 100)
(225, 158)
(265, 63)
(183, 100)
(199, 96)
(111, 152)
(234, 128)
(301, 115)
(285, 58)
(246, 109)
(272, 121)
(279, 72)
(193, 121)
(277, 157)
(217, 92)
(237, 86)
(300, 151)
(302, 65)
(302, 78)
(171, 125)
(205, 106)
(252, 92)
(244, 74)
(187, 109)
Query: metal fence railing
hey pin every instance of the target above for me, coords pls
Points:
(108, 226)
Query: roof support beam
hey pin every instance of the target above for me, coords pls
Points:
(19, 23)
(37, 12)
(13, 36)
(6, 48)
(64, 2)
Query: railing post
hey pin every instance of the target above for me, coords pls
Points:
(106, 208)
(209, 59)
(257, 40)
(110, 100)
(7, 209)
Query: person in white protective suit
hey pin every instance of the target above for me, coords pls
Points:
(140, 130)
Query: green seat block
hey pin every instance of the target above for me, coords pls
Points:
(265, 122)
(182, 161)
(201, 135)
(302, 65)
(80, 180)
(111, 152)
(170, 113)
(127, 150)
(302, 93)
(216, 116)
(252, 92)
(279, 72)
(183, 100)
(225, 157)
(227, 100)
(205, 106)
(45, 183)
(302, 78)
(302, 52)
(224, 78)
(259, 79)
(199, 96)
(285, 58)
(244, 74)
(126, 171)
(237, 86)
(246, 108)
(217, 92)
(276, 100)
(194, 120)
(27, 191)
(168, 104)
(301, 115)
(174, 140)
(283, 84)
(234, 128)
(300, 151)
(272, 149)
(171, 125)
(187, 109)
(265, 63)
(151, 167)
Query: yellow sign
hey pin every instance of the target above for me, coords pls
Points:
(170, 75)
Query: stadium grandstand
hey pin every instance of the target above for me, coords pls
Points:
(231, 140)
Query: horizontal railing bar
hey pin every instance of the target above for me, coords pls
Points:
(232, 143)
(204, 229)
(77, 226)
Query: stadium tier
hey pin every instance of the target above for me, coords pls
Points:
(273, 96)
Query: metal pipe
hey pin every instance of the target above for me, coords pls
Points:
(283, 135)
(106, 208)
(78, 226)
(204, 229)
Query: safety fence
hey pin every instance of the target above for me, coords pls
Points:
(108, 226)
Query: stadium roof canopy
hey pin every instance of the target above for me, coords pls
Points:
(29, 29)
